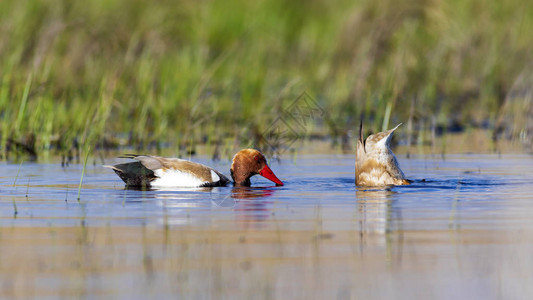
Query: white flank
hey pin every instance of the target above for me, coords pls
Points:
(175, 178)
(214, 176)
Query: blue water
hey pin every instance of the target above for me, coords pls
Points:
(468, 190)
(463, 229)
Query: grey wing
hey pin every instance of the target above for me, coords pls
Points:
(149, 162)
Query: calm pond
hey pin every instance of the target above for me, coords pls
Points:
(464, 229)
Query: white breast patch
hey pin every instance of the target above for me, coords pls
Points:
(176, 178)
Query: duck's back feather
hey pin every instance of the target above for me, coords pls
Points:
(168, 172)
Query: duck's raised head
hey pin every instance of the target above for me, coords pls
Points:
(249, 162)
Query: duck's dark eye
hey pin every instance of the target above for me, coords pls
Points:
(259, 158)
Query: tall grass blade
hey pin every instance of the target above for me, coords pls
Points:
(23, 102)
(83, 171)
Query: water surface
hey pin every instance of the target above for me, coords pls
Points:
(462, 229)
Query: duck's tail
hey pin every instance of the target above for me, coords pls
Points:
(134, 174)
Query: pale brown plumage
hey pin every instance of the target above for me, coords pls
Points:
(375, 164)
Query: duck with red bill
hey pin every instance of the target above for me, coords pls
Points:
(155, 171)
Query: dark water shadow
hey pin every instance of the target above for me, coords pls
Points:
(167, 189)
(465, 184)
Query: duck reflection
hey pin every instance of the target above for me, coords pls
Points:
(251, 207)
(174, 197)
(377, 220)
(374, 208)
(250, 204)
(251, 192)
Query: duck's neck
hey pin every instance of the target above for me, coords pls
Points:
(240, 180)
(242, 183)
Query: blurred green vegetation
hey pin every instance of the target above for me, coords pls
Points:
(153, 72)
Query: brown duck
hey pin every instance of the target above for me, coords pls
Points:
(155, 171)
(375, 164)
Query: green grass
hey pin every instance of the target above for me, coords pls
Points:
(152, 72)
(87, 152)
